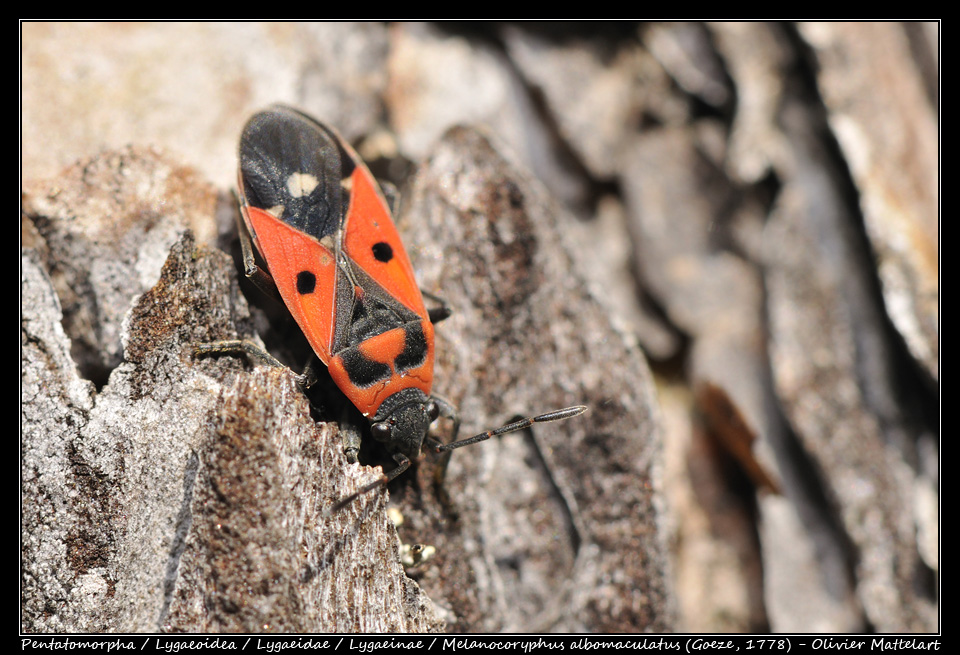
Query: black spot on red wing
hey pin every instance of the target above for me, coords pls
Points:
(306, 282)
(382, 251)
(362, 371)
(414, 348)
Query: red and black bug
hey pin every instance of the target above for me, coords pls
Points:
(321, 223)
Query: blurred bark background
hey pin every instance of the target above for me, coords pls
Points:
(721, 237)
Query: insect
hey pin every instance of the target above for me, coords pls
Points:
(322, 225)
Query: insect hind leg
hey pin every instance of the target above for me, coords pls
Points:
(257, 354)
(258, 276)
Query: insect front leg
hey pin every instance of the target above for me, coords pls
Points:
(351, 432)
(447, 410)
(392, 195)
(403, 463)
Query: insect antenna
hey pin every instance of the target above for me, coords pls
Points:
(521, 424)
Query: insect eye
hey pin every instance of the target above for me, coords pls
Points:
(381, 431)
(433, 411)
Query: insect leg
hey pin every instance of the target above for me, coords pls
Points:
(260, 278)
(350, 432)
(403, 463)
(255, 352)
(236, 347)
(309, 376)
(392, 195)
(437, 314)
(447, 410)
(445, 450)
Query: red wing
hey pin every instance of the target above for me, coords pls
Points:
(372, 242)
(305, 274)
(310, 201)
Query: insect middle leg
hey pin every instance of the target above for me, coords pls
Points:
(439, 313)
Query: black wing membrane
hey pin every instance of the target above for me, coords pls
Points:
(290, 161)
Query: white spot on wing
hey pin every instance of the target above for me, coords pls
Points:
(301, 184)
(276, 211)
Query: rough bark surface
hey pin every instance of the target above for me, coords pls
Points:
(187, 494)
(751, 206)
(557, 529)
(209, 481)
